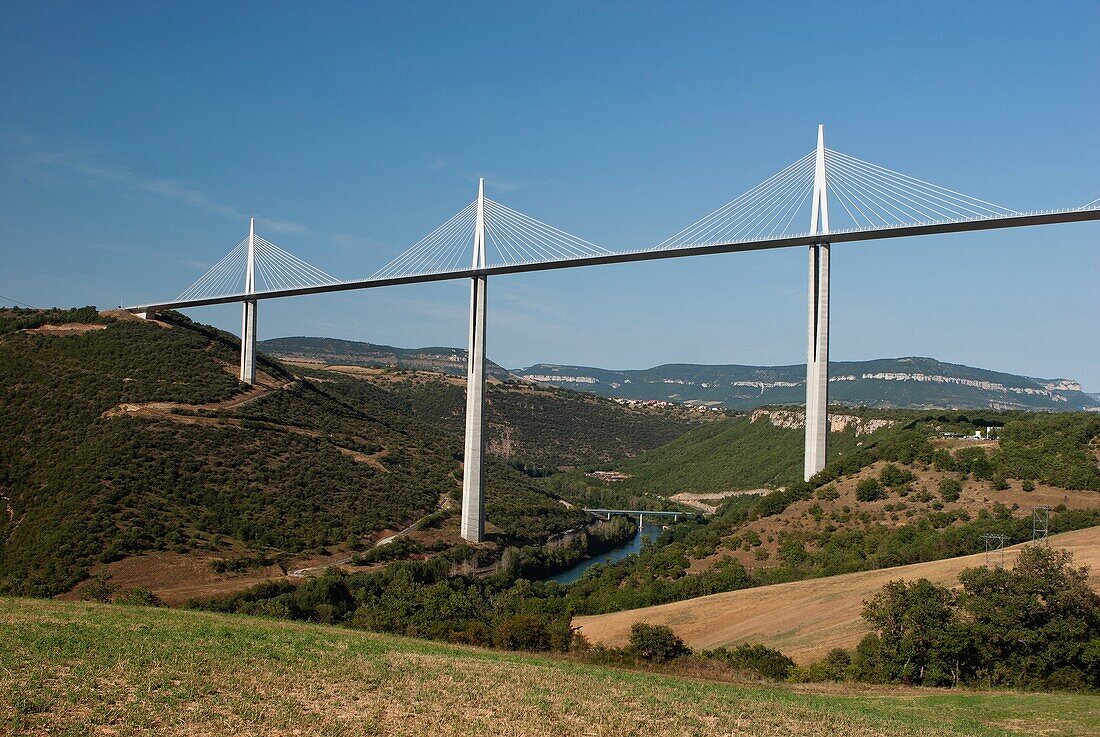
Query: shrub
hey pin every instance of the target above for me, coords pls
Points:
(522, 632)
(950, 490)
(758, 659)
(833, 667)
(98, 589)
(943, 461)
(892, 476)
(655, 642)
(138, 597)
(869, 490)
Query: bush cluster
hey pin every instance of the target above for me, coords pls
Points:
(1034, 627)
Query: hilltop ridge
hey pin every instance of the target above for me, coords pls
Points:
(908, 382)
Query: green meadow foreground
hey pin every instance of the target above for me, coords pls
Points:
(69, 668)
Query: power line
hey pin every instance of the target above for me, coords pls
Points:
(15, 301)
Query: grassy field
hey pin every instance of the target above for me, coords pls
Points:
(805, 619)
(69, 668)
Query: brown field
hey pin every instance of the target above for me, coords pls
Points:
(805, 619)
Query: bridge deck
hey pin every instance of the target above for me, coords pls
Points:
(634, 512)
(850, 236)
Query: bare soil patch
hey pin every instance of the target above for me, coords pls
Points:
(177, 578)
(69, 328)
(699, 501)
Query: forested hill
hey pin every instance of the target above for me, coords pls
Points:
(355, 353)
(120, 436)
(910, 383)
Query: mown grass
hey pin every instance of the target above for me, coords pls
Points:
(81, 668)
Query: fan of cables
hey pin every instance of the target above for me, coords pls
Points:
(876, 197)
(275, 270)
(872, 197)
(511, 238)
(765, 211)
(447, 248)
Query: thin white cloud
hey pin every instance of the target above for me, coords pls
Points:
(286, 226)
(44, 166)
(175, 190)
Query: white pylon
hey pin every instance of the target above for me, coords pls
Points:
(248, 329)
(817, 345)
(473, 469)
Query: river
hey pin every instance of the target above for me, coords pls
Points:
(648, 531)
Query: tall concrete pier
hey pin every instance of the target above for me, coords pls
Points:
(473, 469)
(817, 344)
(248, 329)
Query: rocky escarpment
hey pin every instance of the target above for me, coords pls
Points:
(795, 419)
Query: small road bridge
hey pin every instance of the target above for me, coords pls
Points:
(484, 239)
(639, 513)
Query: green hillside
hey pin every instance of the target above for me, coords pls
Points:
(547, 427)
(739, 453)
(91, 472)
(450, 361)
(735, 453)
(78, 668)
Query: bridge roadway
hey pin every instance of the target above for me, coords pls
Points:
(1077, 215)
(639, 513)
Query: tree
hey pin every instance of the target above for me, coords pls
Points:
(138, 597)
(893, 476)
(950, 490)
(522, 632)
(655, 642)
(1037, 625)
(869, 490)
(921, 639)
(99, 588)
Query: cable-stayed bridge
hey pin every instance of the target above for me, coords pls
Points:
(487, 238)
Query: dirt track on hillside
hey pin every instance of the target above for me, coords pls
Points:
(805, 619)
(699, 501)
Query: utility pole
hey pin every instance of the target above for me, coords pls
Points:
(995, 548)
(817, 344)
(473, 469)
(1040, 524)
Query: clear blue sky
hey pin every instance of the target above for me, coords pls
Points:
(136, 138)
